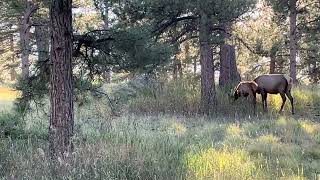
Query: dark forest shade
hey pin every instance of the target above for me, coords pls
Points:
(61, 90)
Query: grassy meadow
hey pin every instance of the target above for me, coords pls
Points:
(158, 135)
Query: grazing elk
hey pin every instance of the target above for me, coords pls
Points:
(264, 84)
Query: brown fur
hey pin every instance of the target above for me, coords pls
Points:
(264, 85)
(247, 88)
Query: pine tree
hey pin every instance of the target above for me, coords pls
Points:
(61, 86)
(199, 20)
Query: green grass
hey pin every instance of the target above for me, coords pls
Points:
(167, 147)
(169, 143)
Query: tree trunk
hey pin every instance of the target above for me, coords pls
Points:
(61, 89)
(25, 26)
(106, 14)
(272, 63)
(13, 73)
(42, 41)
(107, 73)
(207, 67)
(312, 71)
(228, 68)
(293, 40)
(175, 69)
(195, 66)
(179, 68)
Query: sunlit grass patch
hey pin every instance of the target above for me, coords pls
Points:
(275, 149)
(234, 130)
(285, 125)
(235, 136)
(282, 121)
(310, 127)
(293, 178)
(277, 159)
(276, 102)
(220, 164)
(305, 100)
(303, 95)
(289, 130)
(177, 128)
(256, 129)
(271, 139)
(8, 94)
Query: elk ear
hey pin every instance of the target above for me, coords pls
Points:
(254, 87)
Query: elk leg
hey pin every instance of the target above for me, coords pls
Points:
(265, 101)
(254, 102)
(262, 98)
(291, 100)
(283, 96)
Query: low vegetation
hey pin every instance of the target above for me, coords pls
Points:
(160, 136)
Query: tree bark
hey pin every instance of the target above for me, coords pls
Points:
(175, 68)
(13, 73)
(61, 89)
(228, 67)
(25, 26)
(195, 66)
(293, 40)
(106, 14)
(42, 41)
(107, 73)
(207, 66)
(272, 64)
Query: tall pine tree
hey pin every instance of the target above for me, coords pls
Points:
(61, 86)
(178, 21)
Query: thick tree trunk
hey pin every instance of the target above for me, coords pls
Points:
(293, 40)
(25, 26)
(61, 89)
(228, 68)
(272, 64)
(207, 66)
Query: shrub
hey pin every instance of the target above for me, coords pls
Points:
(10, 125)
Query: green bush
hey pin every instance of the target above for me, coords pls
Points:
(11, 125)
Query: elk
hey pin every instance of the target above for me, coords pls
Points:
(264, 85)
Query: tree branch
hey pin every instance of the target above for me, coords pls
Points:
(164, 26)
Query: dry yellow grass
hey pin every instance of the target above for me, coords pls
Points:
(8, 94)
